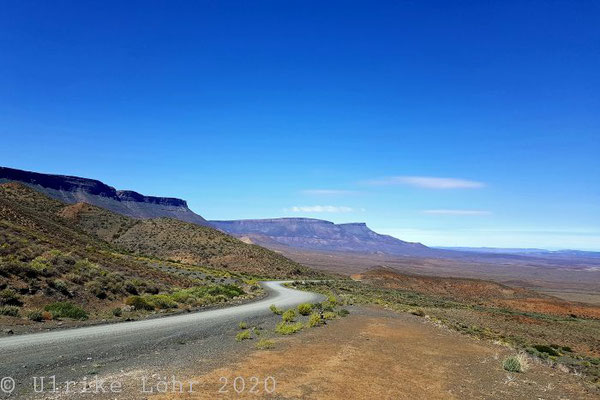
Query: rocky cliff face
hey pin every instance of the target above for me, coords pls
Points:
(73, 189)
(315, 234)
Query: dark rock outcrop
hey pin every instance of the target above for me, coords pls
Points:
(73, 189)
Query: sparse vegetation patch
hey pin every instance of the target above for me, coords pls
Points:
(243, 335)
(275, 310)
(66, 310)
(516, 363)
(286, 328)
(289, 316)
(305, 309)
(264, 344)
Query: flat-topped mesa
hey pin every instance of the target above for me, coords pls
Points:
(74, 189)
(316, 234)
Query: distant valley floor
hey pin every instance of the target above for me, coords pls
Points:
(572, 280)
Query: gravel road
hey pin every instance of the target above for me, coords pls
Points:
(73, 353)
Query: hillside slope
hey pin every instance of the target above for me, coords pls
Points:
(184, 242)
(45, 258)
(96, 259)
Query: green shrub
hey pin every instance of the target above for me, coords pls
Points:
(201, 295)
(314, 320)
(275, 310)
(264, 344)
(305, 309)
(329, 315)
(332, 300)
(257, 330)
(117, 312)
(546, 349)
(284, 328)
(35, 316)
(229, 291)
(515, 363)
(162, 302)
(9, 311)
(243, 335)
(289, 315)
(327, 306)
(139, 303)
(243, 325)
(9, 297)
(182, 296)
(343, 312)
(66, 310)
(41, 266)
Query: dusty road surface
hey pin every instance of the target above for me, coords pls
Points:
(379, 355)
(76, 353)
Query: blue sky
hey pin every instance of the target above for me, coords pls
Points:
(449, 123)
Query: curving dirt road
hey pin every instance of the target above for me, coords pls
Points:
(74, 352)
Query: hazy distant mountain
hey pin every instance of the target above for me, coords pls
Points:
(315, 234)
(72, 189)
(526, 251)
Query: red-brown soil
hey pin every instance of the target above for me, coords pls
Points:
(387, 357)
(478, 291)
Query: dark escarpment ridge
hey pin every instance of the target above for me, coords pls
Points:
(73, 189)
(320, 235)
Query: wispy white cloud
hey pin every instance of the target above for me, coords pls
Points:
(328, 192)
(457, 212)
(320, 209)
(428, 182)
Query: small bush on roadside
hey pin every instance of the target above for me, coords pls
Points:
(305, 309)
(314, 320)
(327, 306)
(9, 311)
(117, 312)
(264, 344)
(243, 335)
(329, 315)
(284, 328)
(66, 310)
(515, 363)
(243, 325)
(35, 316)
(162, 302)
(332, 300)
(275, 310)
(289, 316)
(139, 303)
